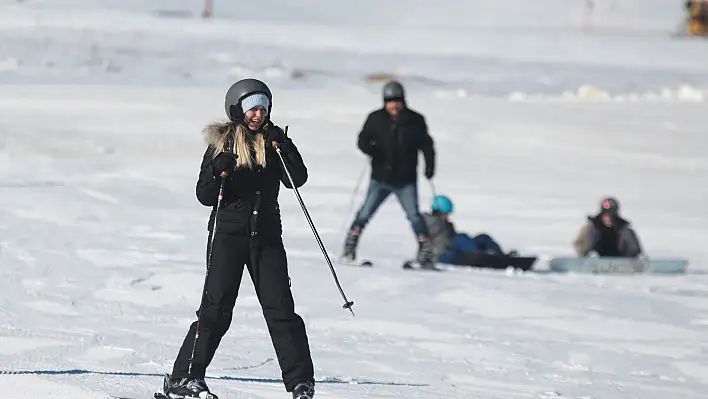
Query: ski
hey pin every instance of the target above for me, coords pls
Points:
(360, 263)
(166, 387)
(207, 395)
(413, 265)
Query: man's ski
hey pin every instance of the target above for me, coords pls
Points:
(414, 265)
(206, 395)
(361, 263)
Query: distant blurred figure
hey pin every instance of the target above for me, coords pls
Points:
(393, 136)
(697, 21)
(589, 9)
(607, 234)
(208, 10)
(452, 246)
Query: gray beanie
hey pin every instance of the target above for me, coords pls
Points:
(255, 100)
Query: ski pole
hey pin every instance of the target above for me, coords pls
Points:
(206, 277)
(353, 197)
(432, 187)
(347, 303)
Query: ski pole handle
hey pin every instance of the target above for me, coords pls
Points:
(275, 144)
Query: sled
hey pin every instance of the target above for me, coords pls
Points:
(610, 265)
(494, 261)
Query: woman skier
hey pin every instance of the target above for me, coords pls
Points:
(245, 229)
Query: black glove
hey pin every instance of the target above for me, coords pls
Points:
(429, 172)
(277, 135)
(372, 150)
(377, 154)
(224, 162)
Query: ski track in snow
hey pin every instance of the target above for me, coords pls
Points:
(102, 241)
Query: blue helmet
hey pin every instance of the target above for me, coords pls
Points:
(441, 204)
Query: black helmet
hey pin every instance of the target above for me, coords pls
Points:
(393, 90)
(610, 206)
(241, 89)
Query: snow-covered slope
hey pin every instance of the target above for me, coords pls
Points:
(102, 240)
(482, 47)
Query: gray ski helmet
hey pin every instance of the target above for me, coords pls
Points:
(241, 89)
(393, 90)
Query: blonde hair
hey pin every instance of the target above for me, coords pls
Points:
(246, 144)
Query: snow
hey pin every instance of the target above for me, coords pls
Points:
(535, 118)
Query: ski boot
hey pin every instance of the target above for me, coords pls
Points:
(304, 390)
(426, 253)
(184, 388)
(350, 244)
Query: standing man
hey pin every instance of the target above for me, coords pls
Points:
(392, 137)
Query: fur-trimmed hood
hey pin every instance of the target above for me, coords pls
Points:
(234, 137)
(216, 132)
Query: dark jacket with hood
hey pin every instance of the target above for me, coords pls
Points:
(250, 204)
(393, 145)
(617, 241)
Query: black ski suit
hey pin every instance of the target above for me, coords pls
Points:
(249, 232)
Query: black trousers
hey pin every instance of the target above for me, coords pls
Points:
(267, 265)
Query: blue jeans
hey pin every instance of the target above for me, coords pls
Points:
(462, 243)
(407, 196)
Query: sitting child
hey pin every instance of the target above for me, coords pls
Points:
(450, 247)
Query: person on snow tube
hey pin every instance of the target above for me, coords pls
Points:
(449, 245)
(607, 234)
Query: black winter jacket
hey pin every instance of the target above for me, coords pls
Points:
(250, 203)
(393, 145)
(620, 240)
